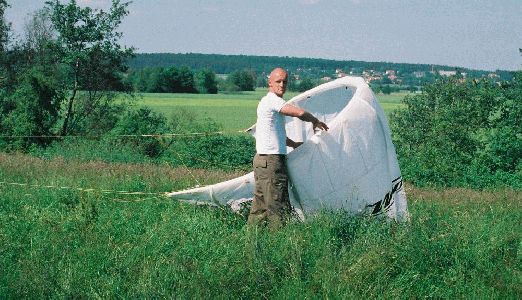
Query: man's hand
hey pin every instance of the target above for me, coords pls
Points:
(320, 125)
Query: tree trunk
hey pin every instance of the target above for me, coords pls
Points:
(69, 113)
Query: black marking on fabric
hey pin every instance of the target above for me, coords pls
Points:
(385, 204)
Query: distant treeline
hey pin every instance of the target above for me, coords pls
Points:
(204, 81)
(304, 67)
(184, 80)
(173, 80)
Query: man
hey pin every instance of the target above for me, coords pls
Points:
(271, 201)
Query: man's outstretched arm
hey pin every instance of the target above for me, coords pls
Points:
(294, 111)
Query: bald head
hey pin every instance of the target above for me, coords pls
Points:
(277, 81)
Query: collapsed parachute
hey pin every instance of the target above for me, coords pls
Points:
(353, 166)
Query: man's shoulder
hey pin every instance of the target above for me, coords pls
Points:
(272, 98)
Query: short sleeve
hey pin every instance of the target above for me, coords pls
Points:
(278, 103)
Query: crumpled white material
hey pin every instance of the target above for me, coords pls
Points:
(353, 166)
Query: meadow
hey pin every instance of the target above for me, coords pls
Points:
(236, 111)
(90, 228)
(58, 241)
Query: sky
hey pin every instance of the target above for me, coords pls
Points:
(477, 34)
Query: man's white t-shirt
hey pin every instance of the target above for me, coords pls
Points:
(270, 126)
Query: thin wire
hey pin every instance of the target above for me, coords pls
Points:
(190, 134)
(83, 189)
(127, 135)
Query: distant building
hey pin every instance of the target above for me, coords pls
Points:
(419, 74)
(371, 75)
(447, 73)
(326, 78)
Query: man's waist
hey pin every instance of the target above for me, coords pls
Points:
(271, 154)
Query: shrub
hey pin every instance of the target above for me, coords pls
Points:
(139, 122)
(31, 110)
(461, 133)
(215, 151)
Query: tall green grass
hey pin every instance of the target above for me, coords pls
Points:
(67, 243)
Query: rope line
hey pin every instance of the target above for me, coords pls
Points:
(163, 194)
(172, 135)
(83, 189)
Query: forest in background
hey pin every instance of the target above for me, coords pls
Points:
(201, 73)
(225, 64)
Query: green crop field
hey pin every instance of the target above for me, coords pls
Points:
(235, 111)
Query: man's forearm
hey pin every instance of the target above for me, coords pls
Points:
(308, 117)
(291, 143)
(294, 111)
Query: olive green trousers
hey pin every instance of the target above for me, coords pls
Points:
(271, 203)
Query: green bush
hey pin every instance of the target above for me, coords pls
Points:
(143, 136)
(215, 151)
(208, 149)
(31, 110)
(143, 121)
(462, 133)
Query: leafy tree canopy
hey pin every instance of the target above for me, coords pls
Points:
(462, 133)
(86, 45)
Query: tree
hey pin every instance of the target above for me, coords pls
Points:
(32, 109)
(174, 80)
(4, 26)
(243, 79)
(4, 35)
(206, 82)
(305, 85)
(38, 32)
(86, 46)
(262, 81)
(29, 99)
(386, 89)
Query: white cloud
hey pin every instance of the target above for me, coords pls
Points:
(103, 4)
(310, 2)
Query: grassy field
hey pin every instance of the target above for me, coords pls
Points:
(73, 226)
(69, 243)
(234, 111)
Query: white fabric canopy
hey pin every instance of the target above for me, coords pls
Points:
(352, 167)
